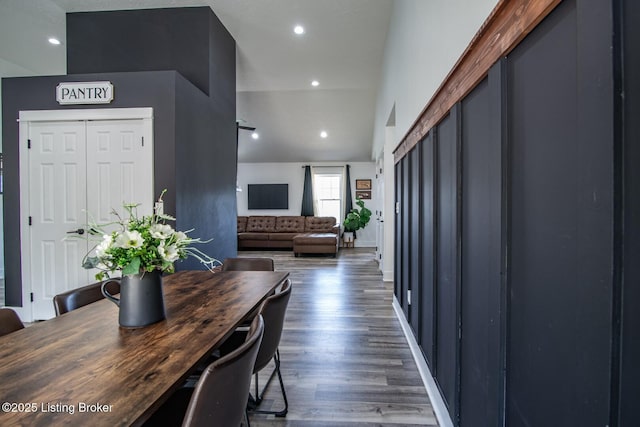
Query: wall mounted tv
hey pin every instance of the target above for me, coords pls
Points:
(268, 196)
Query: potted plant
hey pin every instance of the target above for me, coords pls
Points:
(140, 250)
(355, 220)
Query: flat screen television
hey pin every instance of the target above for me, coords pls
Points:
(268, 196)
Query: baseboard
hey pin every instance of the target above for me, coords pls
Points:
(439, 407)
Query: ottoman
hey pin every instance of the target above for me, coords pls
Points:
(315, 243)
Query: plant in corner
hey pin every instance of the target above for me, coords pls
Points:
(356, 220)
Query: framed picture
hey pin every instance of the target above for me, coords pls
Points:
(363, 184)
(364, 195)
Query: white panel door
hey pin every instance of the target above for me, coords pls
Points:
(79, 169)
(57, 199)
(119, 168)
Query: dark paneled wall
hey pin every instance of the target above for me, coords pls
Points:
(518, 245)
(629, 232)
(561, 234)
(141, 40)
(446, 259)
(481, 261)
(414, 240)
(428, 268)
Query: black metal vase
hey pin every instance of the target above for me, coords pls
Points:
(141, 300)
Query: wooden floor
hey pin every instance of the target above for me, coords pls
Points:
(345, 360)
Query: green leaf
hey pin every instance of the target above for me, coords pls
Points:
(90, 262)
(133, 267)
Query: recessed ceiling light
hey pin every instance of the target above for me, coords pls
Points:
(323, 134)
(315, 83)
(255, 135)
(298, 29)
(54, 40)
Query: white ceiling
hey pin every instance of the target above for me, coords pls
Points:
(343, 49)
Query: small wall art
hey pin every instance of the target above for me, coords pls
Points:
(363, 184)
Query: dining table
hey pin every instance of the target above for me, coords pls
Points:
(83, 369)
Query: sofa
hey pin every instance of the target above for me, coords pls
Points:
(308, 234)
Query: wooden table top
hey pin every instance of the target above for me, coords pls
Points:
(83, 362)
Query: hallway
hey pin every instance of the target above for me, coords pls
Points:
(345, 360)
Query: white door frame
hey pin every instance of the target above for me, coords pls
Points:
(25, 117)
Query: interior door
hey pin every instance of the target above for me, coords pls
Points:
(120, 168)
(76, 169)
(57, 198)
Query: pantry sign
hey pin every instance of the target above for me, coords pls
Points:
(84, 93)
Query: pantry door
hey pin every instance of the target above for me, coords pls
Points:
(77, 171)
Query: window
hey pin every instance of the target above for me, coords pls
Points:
(327, 189)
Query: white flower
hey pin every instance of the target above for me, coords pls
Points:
(129, 239)
(161, 231)
(180, 237)
(105, 245)
(168, 253)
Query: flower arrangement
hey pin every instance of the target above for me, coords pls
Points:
(142, 244)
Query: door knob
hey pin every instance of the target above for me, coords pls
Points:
(79, 231)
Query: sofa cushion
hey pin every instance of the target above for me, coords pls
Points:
(253, 236)
(282, 236)
(290, 224)
(319, 224)
(261, 224)
(242, 224)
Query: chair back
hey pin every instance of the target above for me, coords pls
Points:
(220, 396)
(248, 264)
(273, 311)
(9, 321)
(76, 298)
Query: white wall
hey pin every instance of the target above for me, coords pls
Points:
(425, 40)
(293, 174)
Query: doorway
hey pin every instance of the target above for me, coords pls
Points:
(76, 166)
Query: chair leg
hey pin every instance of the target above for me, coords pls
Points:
(259, 397)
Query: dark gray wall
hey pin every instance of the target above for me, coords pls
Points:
(141, 40)
(143, 89)
(206, 185)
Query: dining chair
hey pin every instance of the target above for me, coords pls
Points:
(219, 397)
(273, 311)
(76, 298)
(9, 321)
(248, 264)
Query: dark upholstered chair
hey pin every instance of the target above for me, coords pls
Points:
(273, 311)
(248, 264)
(9, 321)
(220, 395)
(76, 298)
